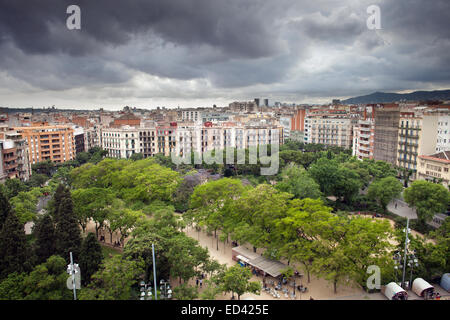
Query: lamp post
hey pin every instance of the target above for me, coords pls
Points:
(412, 262)
(166, 292)
(405, 252)
(397, 258)
(146, 291)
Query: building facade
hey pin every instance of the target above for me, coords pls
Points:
(54, 143)
(435, 168)
(386, 133)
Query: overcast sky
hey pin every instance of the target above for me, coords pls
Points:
(190, 53)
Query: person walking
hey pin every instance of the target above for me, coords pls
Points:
(196, 282)
(201, 283)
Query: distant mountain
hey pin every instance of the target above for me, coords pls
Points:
(386, 97)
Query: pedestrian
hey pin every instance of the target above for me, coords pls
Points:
(196, 282)
(396, 205)
(438, 296)
(201, 283)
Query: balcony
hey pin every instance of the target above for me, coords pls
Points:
(365, 136)
(406, 135)
(364, 148)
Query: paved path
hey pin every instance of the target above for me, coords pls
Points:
(401, 208)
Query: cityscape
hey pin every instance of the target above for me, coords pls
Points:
(217, 165)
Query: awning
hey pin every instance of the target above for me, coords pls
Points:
(244, 259)
(420, 286)
(271, 267)
(393, 289)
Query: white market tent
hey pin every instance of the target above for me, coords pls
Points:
(394, 292)
(421, 287)
(270, 267)
(445, 281)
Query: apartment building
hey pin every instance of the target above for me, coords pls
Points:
(210, 137)
(435, 168)
(121, 142)
(92, 137)
(9, 159)
(385, 142)
(417, 136)
(363, 135)
(20, 146)
(443, 134)
(329, 129)
(54, 143)
(166, 138)
(249, 106)
(190, 115)
(148, 141)
(78, 133)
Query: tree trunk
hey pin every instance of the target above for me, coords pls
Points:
(335, 286)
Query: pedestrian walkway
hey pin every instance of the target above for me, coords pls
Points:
(401, 208)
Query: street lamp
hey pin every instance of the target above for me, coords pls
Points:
(397, 262)
(412, 262)
(146, 291)
(166, 292)
(406, 230)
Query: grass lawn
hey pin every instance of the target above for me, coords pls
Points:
(109, 251)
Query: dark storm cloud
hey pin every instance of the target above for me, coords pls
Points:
(234, 48)
(234, 26)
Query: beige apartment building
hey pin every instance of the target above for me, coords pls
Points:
(417, 135)
(329, 130)
(435, 168)
(363, 139)
(54, 143)
(15, 155)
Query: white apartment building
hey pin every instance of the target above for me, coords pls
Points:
(191, 115)
(363, 139)
(443, 133)
(329, 130)
(286, 123)
(201, 139)
(121, 142)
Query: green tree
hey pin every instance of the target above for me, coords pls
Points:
(60, 193)
(5, 208)
(44, 232)
(186, 258)
(12, 187)
(136, 156)
(211, 203)
(255, 215)
(12, 287)
(37, 180)
(237, 280)
(428, 198)
(91, 257)
(296, 181)
(185, 292)
(67, 232)
(92, 203)
(385, 190)
(14, 252)
(48, 281)
(44, 167)
(114, 280)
